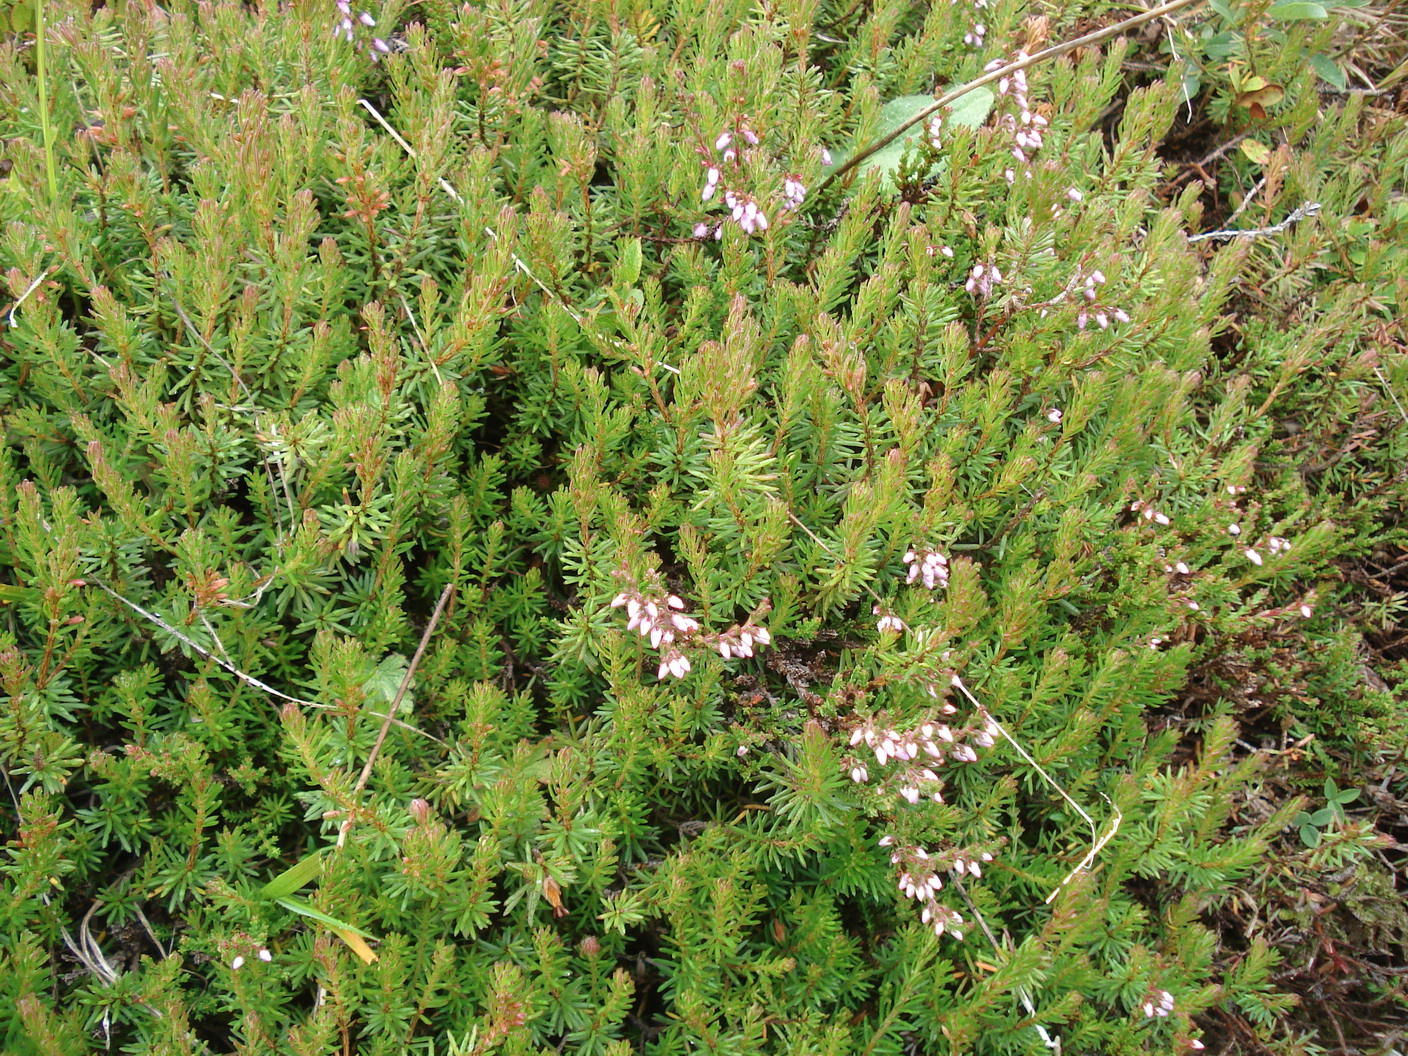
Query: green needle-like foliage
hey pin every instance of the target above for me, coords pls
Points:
(895, 619)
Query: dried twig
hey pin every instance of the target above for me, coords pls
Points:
(1300, 213)
(395, 703)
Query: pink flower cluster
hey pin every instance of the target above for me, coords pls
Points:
(1025, 124)
(746, 212)
(931, 739)
(1087, 287)
(744, 209)
(1147, 511)
(346, 25)
(793, 193)
(982, 279)
(659, 619)
(927, 565)
(935, 129)
(888, 621)
(1160, 1005)
(656, 620)
(919, 879)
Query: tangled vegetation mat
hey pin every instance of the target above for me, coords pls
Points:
(715, 526)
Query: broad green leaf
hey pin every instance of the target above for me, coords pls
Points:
(968, 111)
(300, 874)
(1328, 70)
(1297, 11)
(628, 269)
(386, 680)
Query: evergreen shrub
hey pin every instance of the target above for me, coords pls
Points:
(828, 557)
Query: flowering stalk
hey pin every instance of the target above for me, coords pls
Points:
(347, 25)
(659, 619)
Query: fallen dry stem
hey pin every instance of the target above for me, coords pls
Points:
(396, 703)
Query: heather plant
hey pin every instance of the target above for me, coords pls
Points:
(601, 528)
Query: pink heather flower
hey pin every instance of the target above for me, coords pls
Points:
(947, 251)
(1254, 558)
(265, 956)
(366, 19)
(887, 621)
(858, 775)
(701, 230)
(1306, 611)
(910, 793)
(1234, 529)
(825, 156)
(380, 45)
(793, 193)
(928, 565)
(674, 663)
(1181, 568)
(742, 751)
(886, 841)
(1074, 195)
(1054, 416)
(237, 964)
(725, 138)
(935, 124)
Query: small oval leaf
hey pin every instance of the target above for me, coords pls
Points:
(1256, 151)
(1297, 11)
